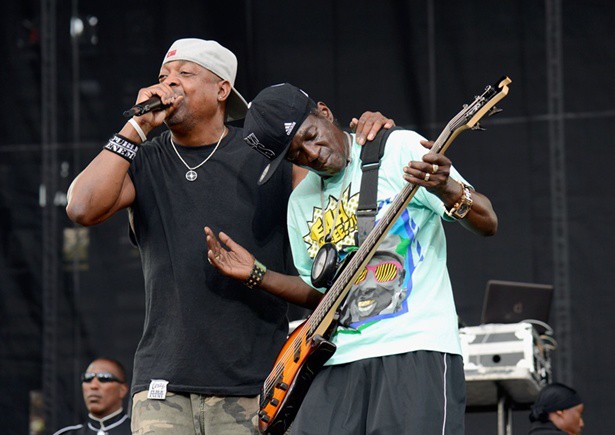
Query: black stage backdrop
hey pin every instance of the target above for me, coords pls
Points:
(69, 294)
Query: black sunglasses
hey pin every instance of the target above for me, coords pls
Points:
(102, 377)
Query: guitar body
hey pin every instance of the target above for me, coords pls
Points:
(280, 404)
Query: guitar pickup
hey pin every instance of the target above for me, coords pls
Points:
(274, 402)
(282, 386)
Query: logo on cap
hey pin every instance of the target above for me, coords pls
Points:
(288, 126)
(253, 141)
(171, 53)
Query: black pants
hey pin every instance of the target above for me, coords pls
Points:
(420, 393)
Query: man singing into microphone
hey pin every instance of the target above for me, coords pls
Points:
(207, 343)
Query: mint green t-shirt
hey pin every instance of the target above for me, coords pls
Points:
(403, 301)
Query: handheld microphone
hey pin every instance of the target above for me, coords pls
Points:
(150, 105)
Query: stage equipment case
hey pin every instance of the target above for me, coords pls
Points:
(504, 359)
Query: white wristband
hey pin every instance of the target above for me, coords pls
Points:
(138, 129)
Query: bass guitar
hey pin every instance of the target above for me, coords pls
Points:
(308, 349)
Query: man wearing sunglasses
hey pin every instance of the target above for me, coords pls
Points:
(104, 388)
(379, 290)
(398, 365)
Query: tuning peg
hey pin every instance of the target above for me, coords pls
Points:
(477, 126)
(494, 111)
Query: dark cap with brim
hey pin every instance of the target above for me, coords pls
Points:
(273, 118)
(553, 397)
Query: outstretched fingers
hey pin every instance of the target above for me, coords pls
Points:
(214, 249)
(228, 256)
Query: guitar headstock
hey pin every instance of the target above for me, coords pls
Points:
(484, 104)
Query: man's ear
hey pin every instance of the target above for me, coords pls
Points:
(326, 112)
(224, 90)
(556, 417)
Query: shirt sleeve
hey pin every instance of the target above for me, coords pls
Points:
(404, 146)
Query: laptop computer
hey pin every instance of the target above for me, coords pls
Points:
(513, 302)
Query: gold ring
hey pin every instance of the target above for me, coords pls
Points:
(427, 176)
(434, 168)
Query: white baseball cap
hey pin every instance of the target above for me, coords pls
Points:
(217, 59)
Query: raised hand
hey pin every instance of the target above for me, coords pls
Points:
(235, 262)
(432, 172)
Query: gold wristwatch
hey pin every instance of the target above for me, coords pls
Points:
(463, 206)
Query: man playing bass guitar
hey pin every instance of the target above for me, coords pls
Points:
(397, 367)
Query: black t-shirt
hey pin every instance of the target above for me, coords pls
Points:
(205, 333)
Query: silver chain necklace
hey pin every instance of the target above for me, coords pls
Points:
(336, 211)
(191, 175)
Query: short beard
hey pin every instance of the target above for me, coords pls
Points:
(177, 122)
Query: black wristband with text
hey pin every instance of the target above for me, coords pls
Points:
(123, 147)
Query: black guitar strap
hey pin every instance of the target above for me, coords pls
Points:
(371, 153)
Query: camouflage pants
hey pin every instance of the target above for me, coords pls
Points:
(195, 414)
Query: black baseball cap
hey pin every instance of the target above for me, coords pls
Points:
(553, 397)
(273, 118)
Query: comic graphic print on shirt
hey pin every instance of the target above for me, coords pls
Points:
(382, 288)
